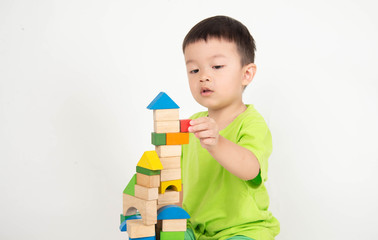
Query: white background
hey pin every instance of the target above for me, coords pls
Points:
(76, 77)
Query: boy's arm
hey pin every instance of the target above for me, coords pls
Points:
(234, 158)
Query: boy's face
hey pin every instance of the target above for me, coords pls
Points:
(216, 76)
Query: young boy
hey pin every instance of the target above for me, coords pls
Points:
(225, 164)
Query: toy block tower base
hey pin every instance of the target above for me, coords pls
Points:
(152, 201)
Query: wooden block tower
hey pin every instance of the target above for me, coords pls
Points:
(152, 201)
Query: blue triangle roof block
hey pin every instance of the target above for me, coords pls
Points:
(162, 101)
(172, 212)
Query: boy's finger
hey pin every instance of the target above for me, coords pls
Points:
(199, 120)
(205, 134)
(199, 127)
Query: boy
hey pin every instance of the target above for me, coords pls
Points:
(225, 163)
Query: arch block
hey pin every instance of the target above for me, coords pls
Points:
(146, 208)
(172, 212)
(175, 183)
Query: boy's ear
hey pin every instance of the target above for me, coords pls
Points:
(249, 73)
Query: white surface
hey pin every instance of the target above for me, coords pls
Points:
(76, 77)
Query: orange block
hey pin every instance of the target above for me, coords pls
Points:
(177, 138)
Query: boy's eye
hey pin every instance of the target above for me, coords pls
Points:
(194, 71)
(218, 66)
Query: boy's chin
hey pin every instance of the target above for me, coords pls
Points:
(208, 105)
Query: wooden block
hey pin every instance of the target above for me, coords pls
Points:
(144, 238)
(158, 139)
(166, 114)
(169, 197)
(124, 218)
(172, 212)
(177, 204)
(171, 162)
(177, 138)
(167, 126)
(184, 125)
(172, 235)
(174, 225)
(148, 181)
(146, 193)
(123, 226)
(146, 171)
(129, 189)
(146, 208)
(162, 101)
(168, 151)
(150, 160)
(175, 184)
(170, 174)
(137, 229)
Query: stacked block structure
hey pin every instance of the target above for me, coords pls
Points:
(152, 200)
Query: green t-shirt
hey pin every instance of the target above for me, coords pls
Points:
(220, 204)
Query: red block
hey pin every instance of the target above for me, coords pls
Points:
(184, 125)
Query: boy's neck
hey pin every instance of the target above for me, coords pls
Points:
(224, 116)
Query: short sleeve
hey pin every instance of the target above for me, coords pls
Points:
(256, 137)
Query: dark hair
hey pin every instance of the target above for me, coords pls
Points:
(223, 27)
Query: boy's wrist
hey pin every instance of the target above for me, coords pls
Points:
(214, 148)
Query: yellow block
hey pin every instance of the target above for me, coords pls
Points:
(150, 160)
(175, 183)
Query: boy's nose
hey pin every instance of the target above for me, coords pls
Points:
(205, 78)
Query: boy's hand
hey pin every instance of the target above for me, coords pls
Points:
(206, 130)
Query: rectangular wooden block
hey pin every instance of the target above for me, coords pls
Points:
(146, 193)
(184, 125)
(170, 174)
(167, 126)
(171, 162)
(158, 139)
(174, 225)
(148, 181)
(168, 151)
(146, 171)
(169, 197)
(137, 229)
(172, 235)
(145, 238)
(166, 114)
(177, 138)
(178, 203)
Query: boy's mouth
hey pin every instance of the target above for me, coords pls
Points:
(206, 91)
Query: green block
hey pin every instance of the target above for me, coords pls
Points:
(123, 218)
(130, 188)
(172, 235)
(158, 139)
(146, 171)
